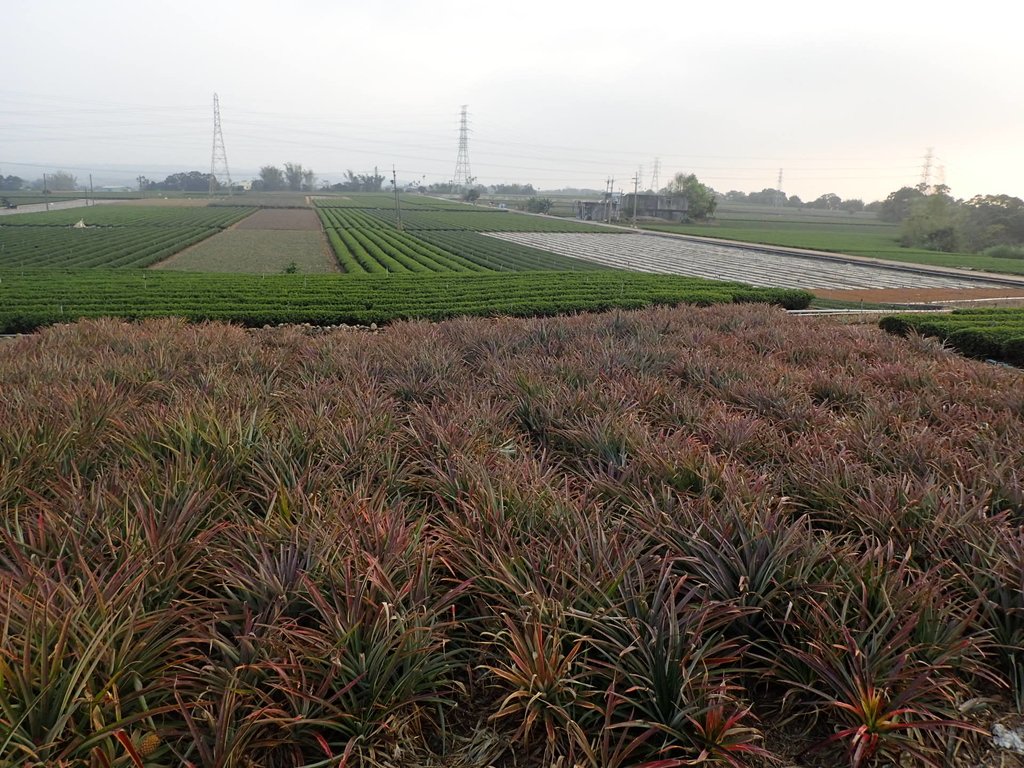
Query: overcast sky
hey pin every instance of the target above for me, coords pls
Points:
(843, 97)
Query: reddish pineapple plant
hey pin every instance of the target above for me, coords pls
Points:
(661, 646)
(883, 660)
(885, 705)
(543, 684)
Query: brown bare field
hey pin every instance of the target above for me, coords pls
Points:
(282, 218)
(270, 240)
(260, 251)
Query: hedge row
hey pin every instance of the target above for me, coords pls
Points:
(994, 334)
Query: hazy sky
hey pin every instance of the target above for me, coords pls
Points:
(843, 97)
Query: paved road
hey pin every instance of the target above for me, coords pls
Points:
(60, 205)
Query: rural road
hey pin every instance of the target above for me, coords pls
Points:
(60, 205)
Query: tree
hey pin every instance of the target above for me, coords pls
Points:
(191, 181)
(539, 204)
(932, 222)
(11, 183)
(987, 220)
(293, 173)
(309, 179)
(794, 202)
(471, 195)
(853, 205)
(360, 182)
(272, 178)
(61, 181)
(443, 188)
(830, 201)
(767, 196)
(514, 189)
(700, 197)
(897, 206)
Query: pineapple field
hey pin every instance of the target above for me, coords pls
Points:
(662, 537)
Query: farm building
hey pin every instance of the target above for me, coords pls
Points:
(598, 210)
(653, 206)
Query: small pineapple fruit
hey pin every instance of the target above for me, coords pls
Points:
(148, 744)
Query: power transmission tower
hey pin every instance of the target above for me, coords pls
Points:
(219, 156)
(926, 172)
(463, 176)
(780, 198)
(654, 174)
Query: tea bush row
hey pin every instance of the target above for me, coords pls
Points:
(38, 298)
(996, 334)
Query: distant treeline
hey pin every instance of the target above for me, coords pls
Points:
(934, 219)
(827, 202)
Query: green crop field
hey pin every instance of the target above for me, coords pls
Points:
(435, 238)
(995, 334)
(49, 247)
(483, 221)
(387, 200)
(132, 216)
(858, 234)
(36, 298)
(438, 265)
(371, 210)
(113, 236)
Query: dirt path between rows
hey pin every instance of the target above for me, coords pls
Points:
(1008, 296)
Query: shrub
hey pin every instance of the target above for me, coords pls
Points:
(1004, 252)
(1013, 351)
(975, 343)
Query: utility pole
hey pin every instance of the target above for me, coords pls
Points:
(611, 196)
(636, 193)
(45, 193)
(398, 206)
(92, 194)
